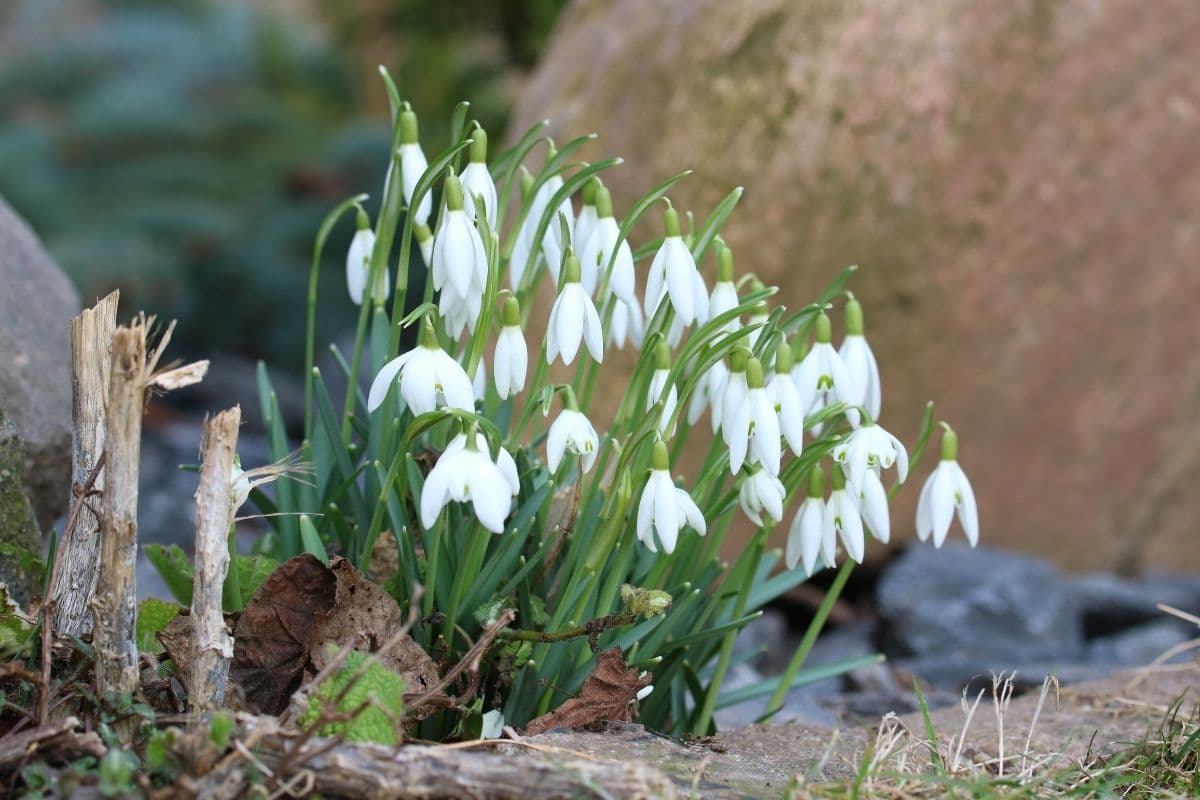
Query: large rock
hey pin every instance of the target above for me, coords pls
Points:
(36, 305)
(18, 527)
(1019, 182)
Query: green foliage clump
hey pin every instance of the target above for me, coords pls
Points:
(153, 617)
(374, 688)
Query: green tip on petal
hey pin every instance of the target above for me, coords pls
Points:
(408, 127)
(662, 355)
(363, 222)
(478, 149)
(571, 270)
(428, 334)
(454, 193)
(725, 265)
(603, 202)
(854, 318)
(512, 312)
(839, 478)
(816, 482)
(949, 445)
(661, 459)
(824, 329)
(589, 191)
(422, 232)
(754, 373)
(783, 358)
(738, 359)
(526, 183)
(671, 221)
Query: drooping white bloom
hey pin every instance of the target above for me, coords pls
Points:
(860, 361)
(823, 378)
(665, 509)
(786, 399)
(627, 325)
(358, 264)
(428, 378)
(479, 382)
(752, 426)
(467, 474)
(412, 166)
(732, 393)
(477, 181)
(512, 354)
(459, 313)
(724, 295)
(761, 491)
(843, 518)
(587, 214)
(524, 254)
(806, 537)
(573, 318)
(504, 459)
(673, 275)
(597, 249)
(873, 504)
(660, 390)
(871, 448)
(709, 391)
(571, 431)
(947, 493)
(554, 245)
(424, 238)
(459, 258)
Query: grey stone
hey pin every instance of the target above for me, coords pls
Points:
(997, 609)
(36, 307)
(18, 526)
(1111, 603)
(1139, 646)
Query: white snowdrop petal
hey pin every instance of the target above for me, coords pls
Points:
(968, 513)
(691, 512)
(383, 381)
(942, 503)
(570, 321)
(593, 333)
(434, 491)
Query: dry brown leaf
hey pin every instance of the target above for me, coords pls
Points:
(367, 618)
(270, 649)
(607, 695)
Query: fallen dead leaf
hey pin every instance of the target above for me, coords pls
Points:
(270, 649)
(607, 695)
(367, 618)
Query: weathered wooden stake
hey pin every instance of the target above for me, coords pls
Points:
(114, 607)
(78, 552)
(212, 645)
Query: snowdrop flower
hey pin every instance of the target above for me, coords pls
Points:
(860, 361)
(761, 491)
(665, 509)
(786, 399)
(659, 390)
(586, 220)
(572, 318)
(732, 393)
(504, 460)
(873, 505)
(842, 518)
(413, 165)
(724, 294)
(467, 474)
(947, 492)
(806, 537)
(627, 325)
(523, 250)
(479, 382)
(512, 355)
(428, 378)
(753, 426)
(358, 264)
(477, 181)
(424, 238)
(458, 255)
(871, 448)
(709, 391)
(597, 249)
(822, 377)
(239, 484)
(673, 275)
(572, 432)
(554, 245)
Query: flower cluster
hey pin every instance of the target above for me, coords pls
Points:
(768, 381)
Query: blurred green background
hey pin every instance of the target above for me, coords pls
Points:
(184, 151)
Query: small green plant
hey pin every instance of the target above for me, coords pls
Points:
(492, 505)
(361, 702)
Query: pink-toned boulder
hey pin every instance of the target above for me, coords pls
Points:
(1020, 183)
